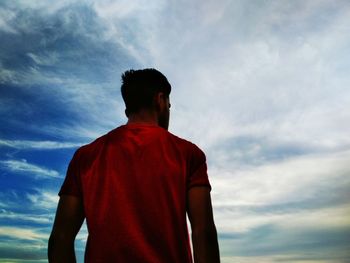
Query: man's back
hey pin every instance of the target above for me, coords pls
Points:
(134, 183)
(134, 187)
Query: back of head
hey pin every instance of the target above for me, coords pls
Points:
(140, 86)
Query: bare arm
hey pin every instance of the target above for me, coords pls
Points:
(204, 236)
(69, 218)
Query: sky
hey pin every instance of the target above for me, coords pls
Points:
(262, 87)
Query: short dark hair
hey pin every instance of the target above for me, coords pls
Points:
(140, 86)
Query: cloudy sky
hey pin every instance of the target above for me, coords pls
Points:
(261, 86)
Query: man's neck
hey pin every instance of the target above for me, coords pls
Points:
(143, 117)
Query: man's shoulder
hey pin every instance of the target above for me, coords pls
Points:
(98, 143)
(188, 145)
(92, 146)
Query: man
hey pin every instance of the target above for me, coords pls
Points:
(134, 186)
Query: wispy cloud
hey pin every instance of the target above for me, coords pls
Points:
(295, 179)
(5, 17)
(19, 244)
(36, 206)
(252, 78)
(260, 86)
(293, 258)
(86, 72)
(40, 145)
(10, 216)
(296, 243)
(22, 233)
(44, 199)
(22, 166)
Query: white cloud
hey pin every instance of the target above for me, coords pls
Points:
(6, 75)
(23, 217)
(5, 17)
(288, 180)
(42, 5)
(229, 66)
(119, 9)
(22, 166)
(2, 204)
(128, 24)
(44, 200)
(273, 73)
(22, 233)
(242, 221)
(237, 74)
(292, 258)
(290, 190)
(42, 145)
(47, 59)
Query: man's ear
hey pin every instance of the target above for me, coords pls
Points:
(159, 100)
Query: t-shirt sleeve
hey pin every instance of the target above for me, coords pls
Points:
(72, 182)
(198, 169)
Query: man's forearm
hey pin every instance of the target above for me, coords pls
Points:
(205, 245)
(61, 251)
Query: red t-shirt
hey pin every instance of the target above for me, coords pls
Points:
(133, 182)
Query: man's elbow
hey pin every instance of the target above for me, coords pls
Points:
(61, 237)
(61, 248)
(59, 240)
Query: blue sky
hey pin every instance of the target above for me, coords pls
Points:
(261, 86)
